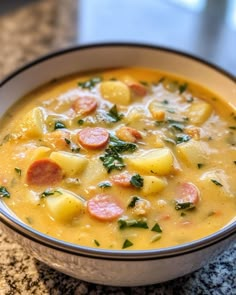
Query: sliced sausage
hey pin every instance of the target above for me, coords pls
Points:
(104, 207)
(138, 89)
(122, 179)
(128, 134)
(44, 172)
(84, 105)
(93, 138)
(187, 193)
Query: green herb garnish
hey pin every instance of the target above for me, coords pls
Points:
(89, 84)
(49, 192)
(104, 184)
(183, 87)
(127, 244)
(18, 171)
(67, 140)
(4, 193)
(59, 125)
(137, 181)
(216, 182)
(156, 228)
(132, 223)
(232, 127)
(182, 138)
(96, 243)
(200, 165)
(133, 202)
(184, 206)
(80, 122)
(114, 115)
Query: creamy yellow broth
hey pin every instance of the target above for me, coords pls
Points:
(183, 142)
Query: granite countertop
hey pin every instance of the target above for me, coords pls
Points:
(38, 33)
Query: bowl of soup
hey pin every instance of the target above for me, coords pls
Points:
(118, 162)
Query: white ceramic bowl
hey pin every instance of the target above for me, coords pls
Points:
(118, 268)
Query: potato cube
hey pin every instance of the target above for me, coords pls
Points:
(193, 152)
(63, 205)
(159, 161)
(70, 163)
(32, 124)
(153, 184)
(157, 110)
(116, 92)
(199, 112)
(41, 152)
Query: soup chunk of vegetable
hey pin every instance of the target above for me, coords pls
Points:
(127, 158)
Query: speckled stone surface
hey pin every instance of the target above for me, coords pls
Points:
(25, 34)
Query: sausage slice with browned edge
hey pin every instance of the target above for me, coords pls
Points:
(84, 105)
(44, 172)
(122, 179)
(187, 192)
(104, 207)
(93, 137)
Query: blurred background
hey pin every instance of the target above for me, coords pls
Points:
(31, 28)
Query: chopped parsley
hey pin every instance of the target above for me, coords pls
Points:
(182, 138)
(133, 202)
(80, 121)
(18, 171)
(49, 192)
(183, 87)
(127, 223)
(232, 127)
(127, 244)
(200, 165)
(67, 140)
(114, 115)
(96, 243)
(184, 206)
(156, 228)
(89, 84)
(4, 193)
(59, 125)
(104, 184)
(112, 158)
(216, 182)
(137, 181)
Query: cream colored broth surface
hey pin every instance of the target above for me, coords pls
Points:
(174, 184)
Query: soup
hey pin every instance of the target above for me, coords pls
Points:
(127, 158)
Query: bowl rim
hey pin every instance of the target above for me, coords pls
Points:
(186, 248)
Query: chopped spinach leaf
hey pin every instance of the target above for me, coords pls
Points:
(137, 181)
(18, 171)
(59, 125)
(104, 184)
(127, 244)
(232, 127)
(183, 87)
(67, 140)
(133, 201)
(123, 223)
(200, 165)
(182, 138)
(96, 243)
(234, 162)
(182, 214)
(80, 122)
(4, 193)
(216, 182)
(156, 228)
(113, 113)
(184, 206)
(121, 146)
(49, 192)
(89, 84)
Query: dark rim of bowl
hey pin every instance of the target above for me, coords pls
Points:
(69, 248)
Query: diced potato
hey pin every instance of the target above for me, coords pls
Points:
(32, 124)
(199, 112)
(41, 152)
(193, 152)
(116, 92)
(153, 184)
(156, 111)
(159, 161)
(134, 115)
(219, 182)
(70, 163)
(64, 205)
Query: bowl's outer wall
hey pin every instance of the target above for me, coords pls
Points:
(108, 271)
(120, 272)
